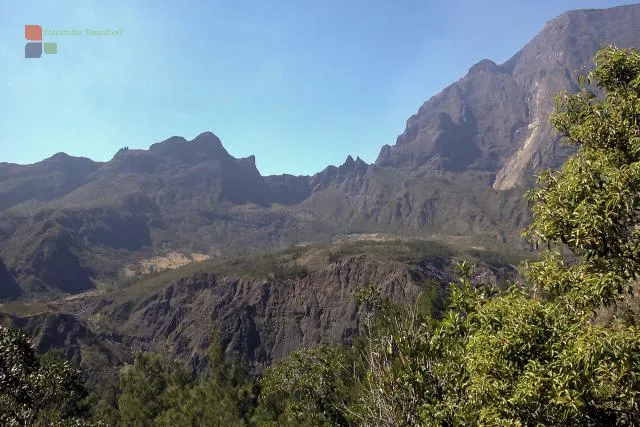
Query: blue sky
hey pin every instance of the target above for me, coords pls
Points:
(300, 84)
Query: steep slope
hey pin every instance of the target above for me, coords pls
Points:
(184, 195)
(362, 198)
(192, 196)
(493, 123)
(173, 171)
(98, 355)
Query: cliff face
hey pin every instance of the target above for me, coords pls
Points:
(262, 320)
(98, 355)
(8, 286)
(265, 320)
(493, 123)
(192, 196)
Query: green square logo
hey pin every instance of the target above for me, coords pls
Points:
(51, 48)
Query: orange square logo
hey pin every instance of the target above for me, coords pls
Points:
(33, 32)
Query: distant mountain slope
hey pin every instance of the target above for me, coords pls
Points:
(8, 286)
(44, 181)
(193, 196)
(69, 224)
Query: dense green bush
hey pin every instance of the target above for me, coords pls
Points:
(156, 392)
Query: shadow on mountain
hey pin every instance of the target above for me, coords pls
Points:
(9, 288)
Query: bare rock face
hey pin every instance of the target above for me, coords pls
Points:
(260, 320)
(264, 320)
(463, 127)
(493, 123)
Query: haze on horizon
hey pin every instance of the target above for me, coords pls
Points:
(300, 87)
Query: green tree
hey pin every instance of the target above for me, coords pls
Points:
(414, 363)
(142, 385)
(150, 386)
(225, 396)
(545, 360)
(311, 387)
(366, 383)
(36, 390)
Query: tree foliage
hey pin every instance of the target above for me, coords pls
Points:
(36, 390)
(156, 392)
(312, 387)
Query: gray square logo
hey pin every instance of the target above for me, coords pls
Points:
(33, 50)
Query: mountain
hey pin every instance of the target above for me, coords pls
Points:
(99, 355)
(44, 181)
(456, 173)
(493, 123)
(8, 286)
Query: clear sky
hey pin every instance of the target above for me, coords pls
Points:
(300, 84)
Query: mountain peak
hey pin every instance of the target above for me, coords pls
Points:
(385, 156)
(204, 146)
(485, 65)
(493, 123)
(353, 165)
(211, 145)
(207, 137)
(173, 140)
(59, 156)
(62, 159)
(249, 161)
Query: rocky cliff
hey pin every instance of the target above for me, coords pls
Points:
(494, 122)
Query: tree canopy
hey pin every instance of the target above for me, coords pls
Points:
(36, 390)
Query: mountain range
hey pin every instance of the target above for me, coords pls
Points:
(457, 171)
(94, 235)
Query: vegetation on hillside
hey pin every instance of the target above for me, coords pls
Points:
(535, 353)
(36, 390)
